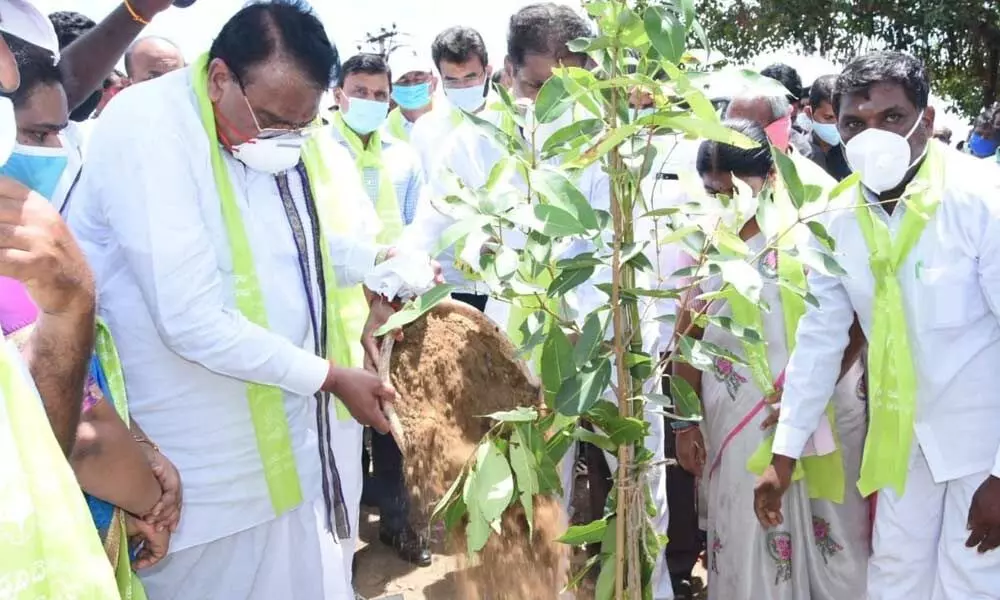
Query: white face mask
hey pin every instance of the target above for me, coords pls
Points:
(8, 129)
(804, 122)
(272, 155)
(542, 131)
(881, 157)
(469, 99)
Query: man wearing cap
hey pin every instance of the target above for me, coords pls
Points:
(412, 90)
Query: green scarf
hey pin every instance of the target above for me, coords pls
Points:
(370, 157)
(267, 407)
(129, 585)
(48, 545)
(396, 126)
(892, 400)
(824, 475)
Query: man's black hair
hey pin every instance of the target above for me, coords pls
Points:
(70, 25)
(131, 50)
(458, 45)
(717, 157)
(368, 63)
(822, 91)
(285, 28)
(787, 77)
(865, 72)
(36, 66)
(545, 29)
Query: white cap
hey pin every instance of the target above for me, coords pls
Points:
(23, 19)
(407, 59)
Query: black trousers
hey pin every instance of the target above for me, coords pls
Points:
(474, 300)
(686, 540)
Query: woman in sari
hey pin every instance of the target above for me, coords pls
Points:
(820, 551)
(133, 491)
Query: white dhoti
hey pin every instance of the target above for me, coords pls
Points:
(288, 557)
(918, 546)
(347, 440)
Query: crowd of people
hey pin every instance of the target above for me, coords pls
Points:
(187, 403)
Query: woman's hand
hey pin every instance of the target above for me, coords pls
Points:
(155, 543)
(166, 514)
(691, 450)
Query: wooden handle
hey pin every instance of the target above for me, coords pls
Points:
(384, 362)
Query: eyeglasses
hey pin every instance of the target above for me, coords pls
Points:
(275, 132)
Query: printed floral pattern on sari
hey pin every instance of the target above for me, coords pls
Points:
(828, 547)
(714, 552)
(779, 547)
(726, 373)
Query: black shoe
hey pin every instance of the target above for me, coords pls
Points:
(411, 547)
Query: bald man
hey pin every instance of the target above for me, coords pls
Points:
(774, 114)
(152, 57)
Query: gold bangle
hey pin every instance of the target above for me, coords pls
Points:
(144, 440)
(135, 14)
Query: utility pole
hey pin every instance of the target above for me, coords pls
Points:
(383, 42)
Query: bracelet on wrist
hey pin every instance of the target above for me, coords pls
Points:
(144, 440)
(138, 18)
(679, 426)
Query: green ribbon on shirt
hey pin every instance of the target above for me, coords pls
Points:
(48, 545)
(370, 157)
(267, 406)
(892, 378)
(396, 125)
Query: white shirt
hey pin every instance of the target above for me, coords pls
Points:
(148, 217)
(951, 295)
(433, 134)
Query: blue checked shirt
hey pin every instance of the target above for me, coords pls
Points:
(403, 164)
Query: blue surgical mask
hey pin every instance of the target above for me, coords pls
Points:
(827, 132)
(365, 116)
(412, 97)
(981, 147)
(51, 172)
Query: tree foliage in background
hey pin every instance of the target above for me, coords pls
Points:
(959, 40)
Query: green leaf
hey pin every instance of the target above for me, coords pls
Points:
(699, 353)
(666, 33)
(552, 100)
(520, 414)
(711, 129)
(506, 262)
(415, 309)
(818, 260)
(477, 533)
(744, 334)
(459, 230)
(686, 400)
(626, 430)
(568, 280)
(605, 588)
(591, 533)
(494, 482)
(687, 8)
(579, 393)
(610, 140)
(821, 234)
(790, 175)
(848, 184)
(448, 497)
(555, 187)
(548, 220)
(597, 439)
(744, 278)
(455, 512)
(522, 461)
(557, 362)
(593, 334)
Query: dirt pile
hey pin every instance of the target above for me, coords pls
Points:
(452, 367)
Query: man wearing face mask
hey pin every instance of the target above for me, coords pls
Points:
(825, 147)
(461, 59)
(392, 177)
(921, 255)
(983, 139)
(229, 235)
(412, 90)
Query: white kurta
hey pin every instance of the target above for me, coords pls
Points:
(147, 215)
(951, 295)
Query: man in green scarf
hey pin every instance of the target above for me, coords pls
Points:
(920, 252)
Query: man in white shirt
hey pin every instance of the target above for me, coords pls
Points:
(932, 449)
(207, 213)
(393, 180)
(413, 90)
(462, 61)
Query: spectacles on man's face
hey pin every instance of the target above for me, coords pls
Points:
(267, 133)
